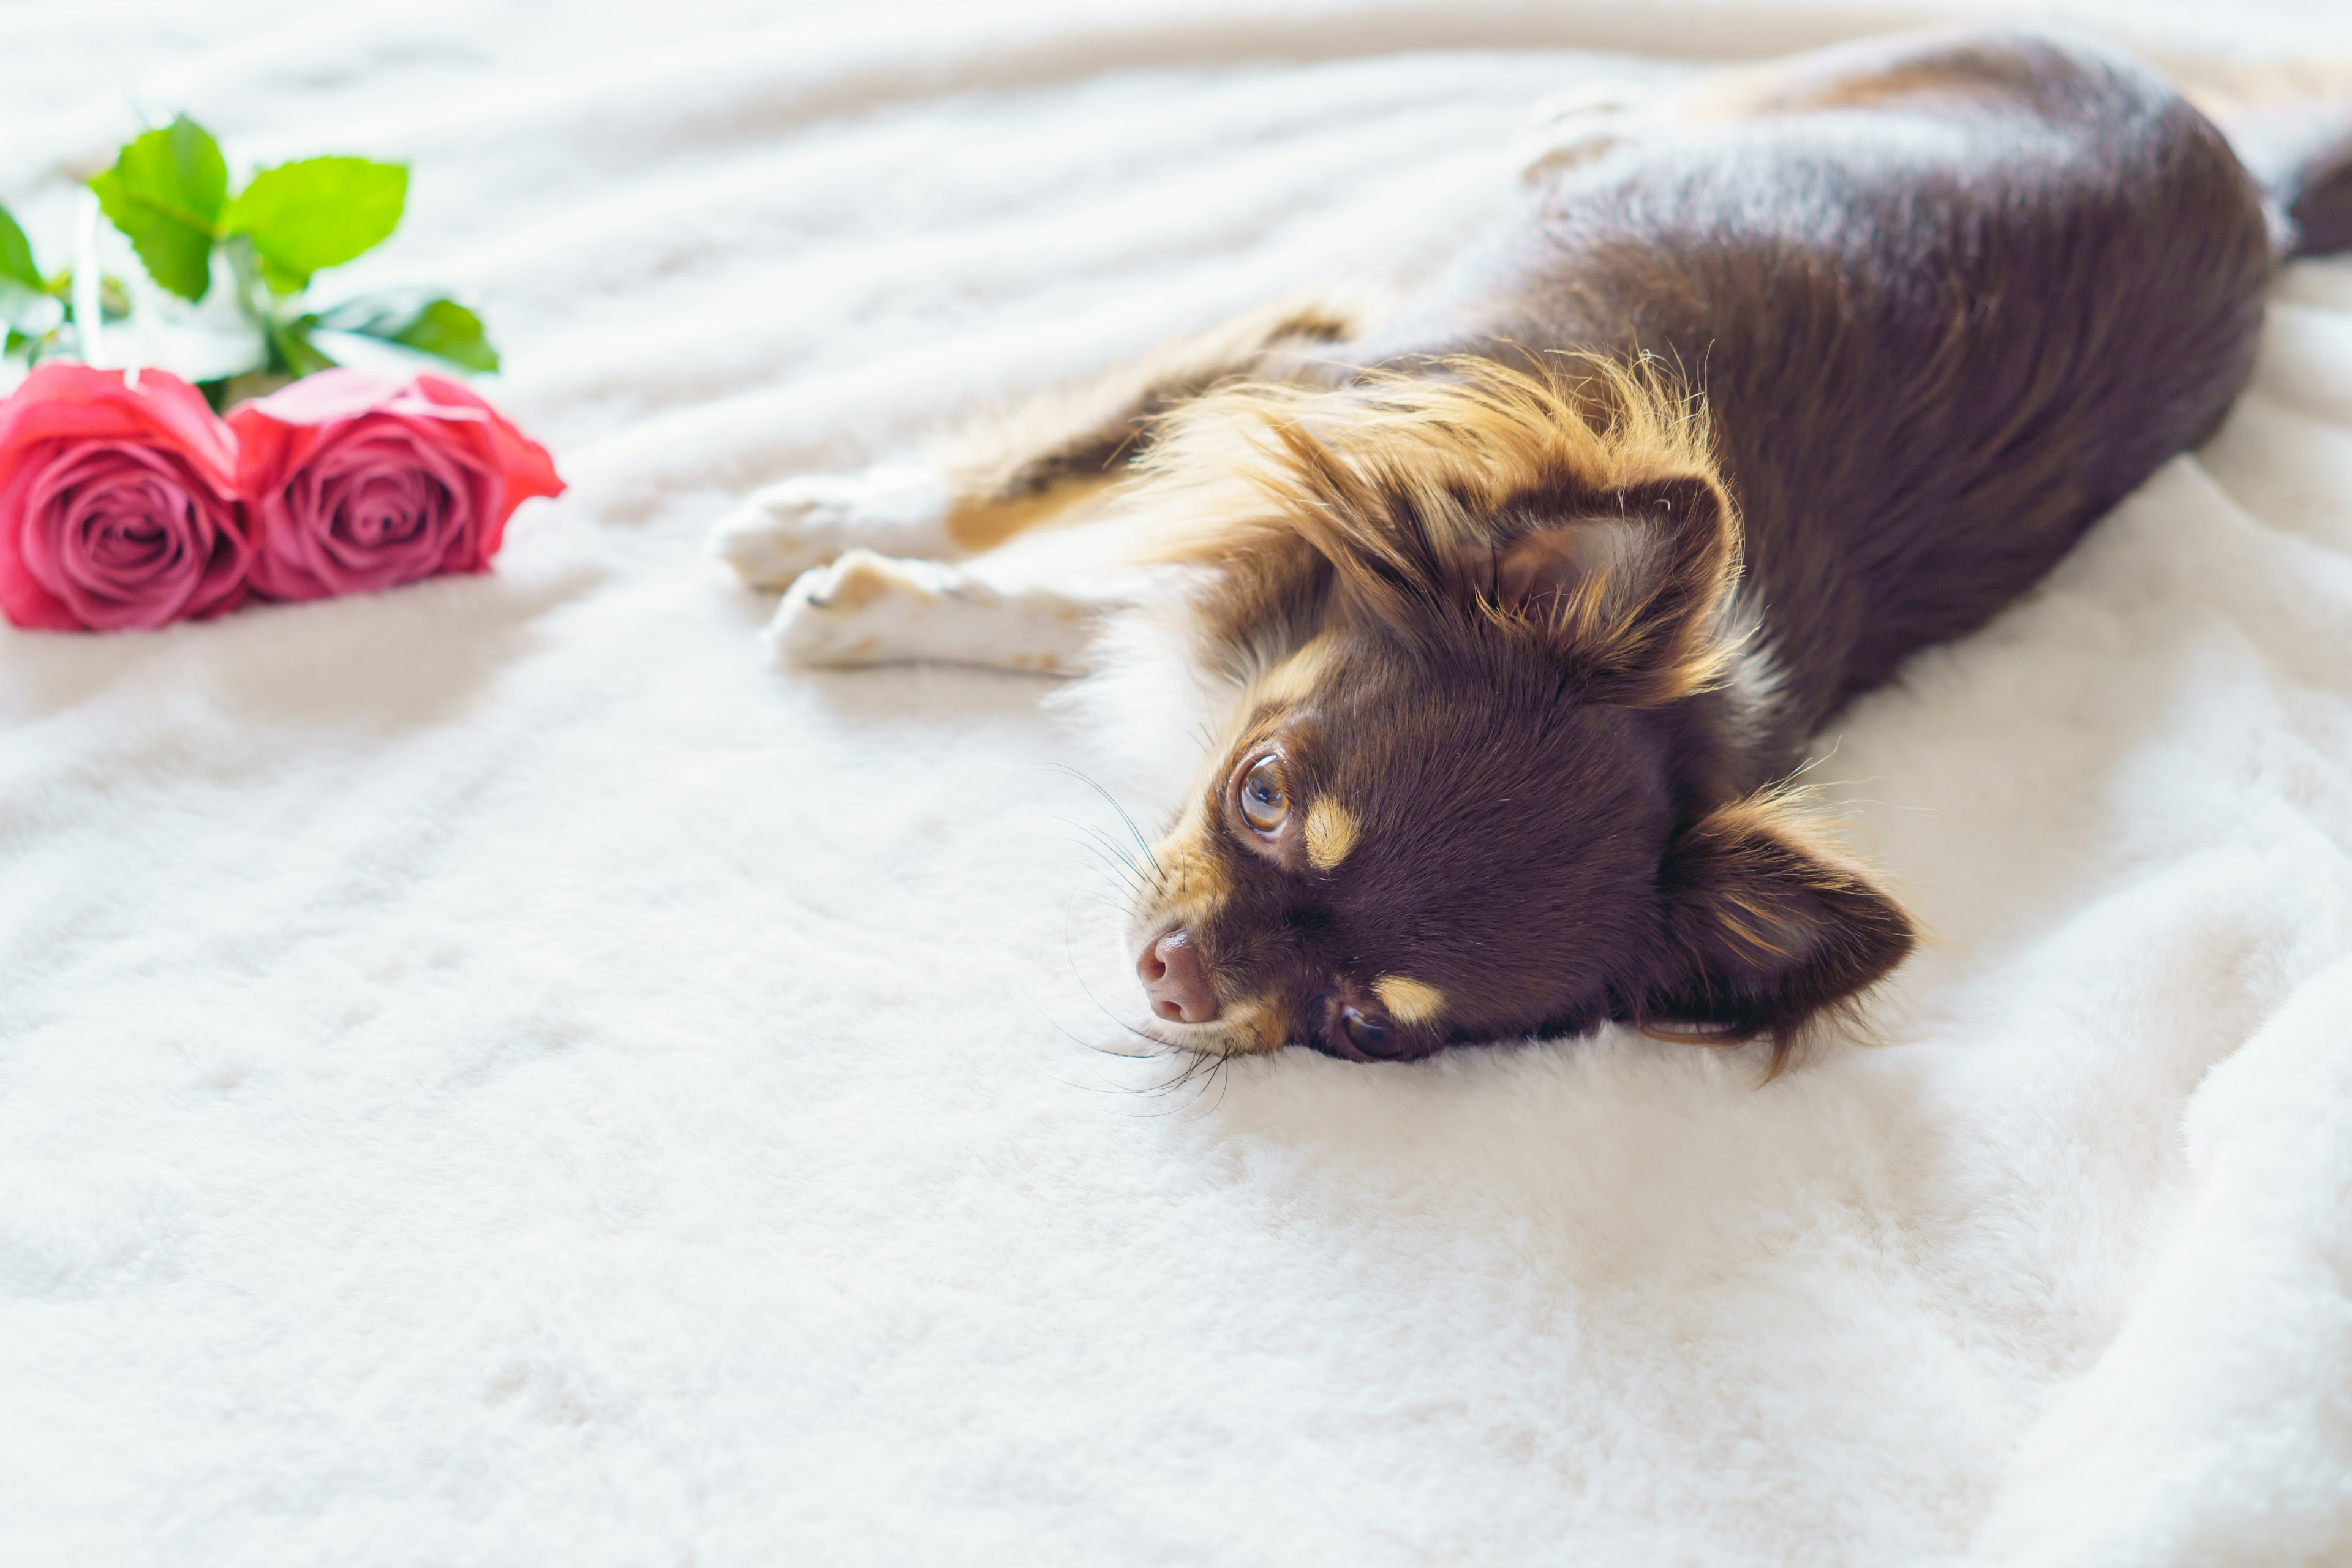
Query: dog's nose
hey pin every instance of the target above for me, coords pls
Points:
(1177, 980)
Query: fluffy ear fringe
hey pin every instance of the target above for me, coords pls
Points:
(1770, 927)
(1637, 599)
(1400, 493)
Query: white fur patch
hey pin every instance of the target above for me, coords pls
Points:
(1148, 711)
(866, 608)
(1758, 684)
(783, 530)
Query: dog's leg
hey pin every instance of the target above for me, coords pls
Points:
(864, 608)
(1009, 471)
(783, 529)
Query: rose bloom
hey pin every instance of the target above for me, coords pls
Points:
(354, 482)
(118, 502)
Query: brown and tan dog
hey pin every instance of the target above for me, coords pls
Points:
(1528, 593)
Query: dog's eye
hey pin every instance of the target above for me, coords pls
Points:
(1266, 803)
(1366, 1032)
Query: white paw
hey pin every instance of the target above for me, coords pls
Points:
(1578, 124)
(781, 531)
(866, 608)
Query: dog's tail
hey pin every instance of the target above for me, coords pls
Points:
(2316, 197)
(2301, 155)
(2299, 151)
(2291, 126)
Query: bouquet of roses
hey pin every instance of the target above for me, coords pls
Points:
(127, 500)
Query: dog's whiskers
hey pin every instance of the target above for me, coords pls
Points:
(1118, 873)
(1112, 801)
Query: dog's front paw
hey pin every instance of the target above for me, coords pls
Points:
(866, 608)
(789, 527)
(1579, 123)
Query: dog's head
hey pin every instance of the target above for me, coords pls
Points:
(1478, 782)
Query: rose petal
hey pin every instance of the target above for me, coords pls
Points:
(117, 503)
(356, 482)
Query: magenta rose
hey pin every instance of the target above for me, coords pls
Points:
(354, 482)
(118, 502)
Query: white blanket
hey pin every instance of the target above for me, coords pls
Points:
(497, 1073)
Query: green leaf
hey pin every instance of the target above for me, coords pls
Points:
(24, 298)
(16, 255)
(166, 193)
(447, 330)
(317, 214)
(279, 279)
(442, 328)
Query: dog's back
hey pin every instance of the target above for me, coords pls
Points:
(1947, 301)
(1523, 603)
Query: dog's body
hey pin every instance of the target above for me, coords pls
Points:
(1522, 634)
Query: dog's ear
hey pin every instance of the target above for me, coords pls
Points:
(1767, 929)
(1630, 585)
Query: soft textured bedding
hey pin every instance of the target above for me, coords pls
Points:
(497, 1072)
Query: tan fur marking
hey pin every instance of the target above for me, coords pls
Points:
(1250, 1030)
(1265, 484)
(1330, 833)
(975, 524)
(857, 588)
(1409, 1001)
(1192, 887)
(1293, 678)
(1021, 464)
(1792, 814)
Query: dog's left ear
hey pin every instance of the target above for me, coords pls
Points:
(1767, 929)
(1630, 585)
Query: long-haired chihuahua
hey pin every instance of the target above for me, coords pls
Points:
(1525, 593)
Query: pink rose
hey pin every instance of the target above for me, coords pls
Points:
(354, 482)
(118, 503)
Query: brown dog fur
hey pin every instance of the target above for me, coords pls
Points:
(1532, 590)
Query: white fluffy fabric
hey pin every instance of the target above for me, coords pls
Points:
(497, 1073)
